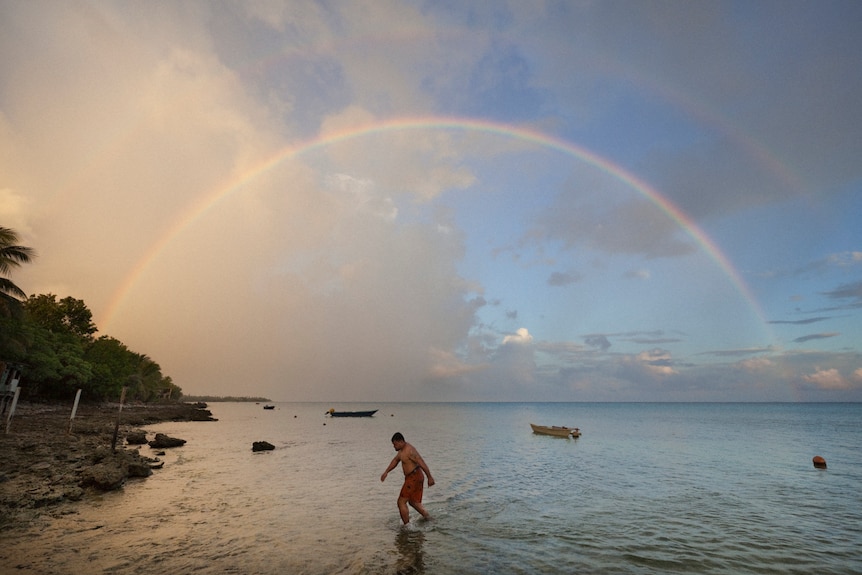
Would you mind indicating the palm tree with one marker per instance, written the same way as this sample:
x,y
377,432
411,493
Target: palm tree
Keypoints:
x,y
11,256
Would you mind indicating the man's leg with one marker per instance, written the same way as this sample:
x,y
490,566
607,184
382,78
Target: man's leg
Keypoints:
x,y
421,509
402,508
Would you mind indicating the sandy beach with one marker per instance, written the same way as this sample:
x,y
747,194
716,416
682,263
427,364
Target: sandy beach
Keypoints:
x,y
48,461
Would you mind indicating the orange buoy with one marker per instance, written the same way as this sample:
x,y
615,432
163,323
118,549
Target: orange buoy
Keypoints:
x,y
819,462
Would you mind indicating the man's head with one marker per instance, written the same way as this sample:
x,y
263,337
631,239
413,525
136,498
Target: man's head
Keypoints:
x,y
398,441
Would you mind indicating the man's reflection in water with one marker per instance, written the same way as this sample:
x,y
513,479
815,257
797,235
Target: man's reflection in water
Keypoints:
x,y
410,555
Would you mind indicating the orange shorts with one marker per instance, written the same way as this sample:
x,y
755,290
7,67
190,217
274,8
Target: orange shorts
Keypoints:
x,y
414,482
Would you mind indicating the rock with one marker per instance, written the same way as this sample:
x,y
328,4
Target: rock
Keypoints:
x,y
136,438
140,469
162,441
47,497
42,467
104,476
111,469
136,465
74,493
262,446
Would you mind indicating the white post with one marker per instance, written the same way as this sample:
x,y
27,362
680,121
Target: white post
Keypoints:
x,y
117,426
12,409
74,409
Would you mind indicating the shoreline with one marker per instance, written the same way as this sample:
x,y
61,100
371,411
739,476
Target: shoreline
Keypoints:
x,y
44,467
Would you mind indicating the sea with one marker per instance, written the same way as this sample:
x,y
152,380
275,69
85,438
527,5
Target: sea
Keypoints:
x,y
648,488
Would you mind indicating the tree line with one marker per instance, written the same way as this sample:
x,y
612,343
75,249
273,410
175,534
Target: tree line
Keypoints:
x,y
54,345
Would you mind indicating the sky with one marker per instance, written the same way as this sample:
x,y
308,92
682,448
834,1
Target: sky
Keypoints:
x,y
383,200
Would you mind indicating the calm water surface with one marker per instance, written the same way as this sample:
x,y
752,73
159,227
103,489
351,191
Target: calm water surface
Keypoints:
x,y
648,488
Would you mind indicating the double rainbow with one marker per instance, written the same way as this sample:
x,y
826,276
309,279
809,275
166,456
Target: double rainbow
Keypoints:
x,y
524,134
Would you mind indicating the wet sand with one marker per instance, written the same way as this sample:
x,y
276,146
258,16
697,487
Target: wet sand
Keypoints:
x,y
42,462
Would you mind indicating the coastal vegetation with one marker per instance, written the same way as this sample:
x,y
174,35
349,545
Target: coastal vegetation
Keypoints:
x,y
226,398
53,344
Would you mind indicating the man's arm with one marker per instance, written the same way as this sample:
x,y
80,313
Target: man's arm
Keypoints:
x,y
417,459
392,466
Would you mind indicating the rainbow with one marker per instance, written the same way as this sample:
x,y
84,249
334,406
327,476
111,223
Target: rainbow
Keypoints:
x,y
521,133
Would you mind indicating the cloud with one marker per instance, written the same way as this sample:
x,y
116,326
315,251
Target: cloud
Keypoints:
x,y
520,337
800,321
561,279
845,259
654,341
830,262
738,352
851,291
598,341
728,170
631,226
448,366
756,364
813,336
419,165
364,194
638,274
836,260
310,272
828,379
657,361
15,210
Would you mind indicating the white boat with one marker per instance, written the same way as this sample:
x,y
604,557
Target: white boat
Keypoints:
x,y
557,431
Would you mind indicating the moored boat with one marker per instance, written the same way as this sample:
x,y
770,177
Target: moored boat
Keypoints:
x,y
269,406
333,413
556,431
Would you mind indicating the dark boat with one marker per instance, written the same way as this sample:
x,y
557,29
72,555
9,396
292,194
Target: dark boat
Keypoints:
x,y
269,407
334,413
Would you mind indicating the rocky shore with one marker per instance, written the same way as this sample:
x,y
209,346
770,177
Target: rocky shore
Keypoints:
x,y
44,465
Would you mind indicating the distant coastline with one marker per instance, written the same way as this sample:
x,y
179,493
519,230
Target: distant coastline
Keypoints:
x,y
216,398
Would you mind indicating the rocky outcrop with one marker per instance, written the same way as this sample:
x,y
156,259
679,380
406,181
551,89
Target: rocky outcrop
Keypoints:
x,y
45,461
111,469
136,437
162,441
103,476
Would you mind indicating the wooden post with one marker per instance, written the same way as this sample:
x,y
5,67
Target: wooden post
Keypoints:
x,y
74,410
12,409
117,426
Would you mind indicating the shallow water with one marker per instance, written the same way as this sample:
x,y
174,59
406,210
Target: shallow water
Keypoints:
x,y
648,488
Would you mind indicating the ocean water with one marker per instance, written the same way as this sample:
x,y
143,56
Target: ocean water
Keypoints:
x,y
648,488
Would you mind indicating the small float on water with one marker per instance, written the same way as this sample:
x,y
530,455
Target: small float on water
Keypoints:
x,y
556,431
333,413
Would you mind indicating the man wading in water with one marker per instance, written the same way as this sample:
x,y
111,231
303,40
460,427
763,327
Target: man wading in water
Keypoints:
x,y
414,467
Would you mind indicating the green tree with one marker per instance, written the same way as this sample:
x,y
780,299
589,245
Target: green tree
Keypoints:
x,y
13,337
58,333
63,354
55,363
68,315
11,256
112,366
116,366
